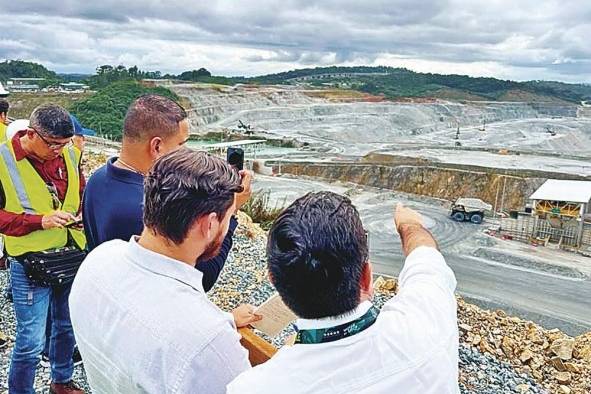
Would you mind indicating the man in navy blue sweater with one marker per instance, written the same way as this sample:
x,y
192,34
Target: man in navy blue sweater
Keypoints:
x,y
113,198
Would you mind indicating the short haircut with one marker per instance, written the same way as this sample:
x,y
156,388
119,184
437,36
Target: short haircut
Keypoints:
x,y
52,120
317,249
152,116
184,185
4,106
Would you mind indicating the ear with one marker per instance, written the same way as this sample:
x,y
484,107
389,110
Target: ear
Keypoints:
x,y
156,147
366,282
212,226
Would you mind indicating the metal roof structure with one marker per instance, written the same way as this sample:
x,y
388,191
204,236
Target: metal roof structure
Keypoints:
x,y
564,190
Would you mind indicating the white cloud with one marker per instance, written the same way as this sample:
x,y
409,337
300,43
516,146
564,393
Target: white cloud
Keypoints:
x,y
517,40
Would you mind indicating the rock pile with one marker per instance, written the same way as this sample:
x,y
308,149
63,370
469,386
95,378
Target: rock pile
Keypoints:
x,y
560,363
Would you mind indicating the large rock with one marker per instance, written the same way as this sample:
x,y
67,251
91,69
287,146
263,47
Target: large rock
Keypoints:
x,y
507,345
526,355
563,348
563,377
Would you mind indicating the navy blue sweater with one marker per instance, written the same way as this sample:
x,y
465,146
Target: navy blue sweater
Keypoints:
x,y
113,209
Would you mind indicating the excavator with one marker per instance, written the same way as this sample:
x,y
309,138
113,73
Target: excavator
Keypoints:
x,y
246,128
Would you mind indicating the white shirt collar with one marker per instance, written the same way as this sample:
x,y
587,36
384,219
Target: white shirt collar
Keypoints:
x,y
332,321
165,266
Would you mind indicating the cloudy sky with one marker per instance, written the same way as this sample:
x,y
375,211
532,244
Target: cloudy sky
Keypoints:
x,y
510,39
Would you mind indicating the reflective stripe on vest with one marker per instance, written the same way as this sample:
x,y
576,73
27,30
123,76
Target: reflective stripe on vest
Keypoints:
x,y
17,182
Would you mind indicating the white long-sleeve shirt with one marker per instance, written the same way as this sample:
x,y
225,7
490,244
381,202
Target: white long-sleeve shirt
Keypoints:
x,y
144,325
412,348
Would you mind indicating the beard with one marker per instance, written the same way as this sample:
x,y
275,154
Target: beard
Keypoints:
x,y
213,249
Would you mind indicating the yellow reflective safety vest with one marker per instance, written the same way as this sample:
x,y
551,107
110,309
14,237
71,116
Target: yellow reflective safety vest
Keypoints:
x,y
2,132
26,191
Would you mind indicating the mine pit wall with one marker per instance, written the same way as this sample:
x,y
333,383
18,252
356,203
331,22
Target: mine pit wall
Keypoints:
x,y
446,183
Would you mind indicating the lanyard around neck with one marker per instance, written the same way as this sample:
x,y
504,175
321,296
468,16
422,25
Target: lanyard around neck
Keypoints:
x,y
330,334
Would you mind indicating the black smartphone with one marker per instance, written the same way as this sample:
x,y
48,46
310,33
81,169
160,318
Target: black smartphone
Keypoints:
x,y
73,223
235,157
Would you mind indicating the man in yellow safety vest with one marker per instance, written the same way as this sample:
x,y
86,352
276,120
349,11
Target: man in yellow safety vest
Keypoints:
x,y
41,187
4,106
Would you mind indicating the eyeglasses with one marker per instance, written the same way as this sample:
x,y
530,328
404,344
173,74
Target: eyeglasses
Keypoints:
x,y
51,145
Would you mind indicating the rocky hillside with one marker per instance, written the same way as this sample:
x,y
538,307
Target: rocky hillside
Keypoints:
x,y
446,183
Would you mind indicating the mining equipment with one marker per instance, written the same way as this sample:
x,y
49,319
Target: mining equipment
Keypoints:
x,y
246,128
469,210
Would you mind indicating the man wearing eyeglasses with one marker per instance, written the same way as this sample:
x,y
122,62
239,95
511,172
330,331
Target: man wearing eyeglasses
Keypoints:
x,y
41,188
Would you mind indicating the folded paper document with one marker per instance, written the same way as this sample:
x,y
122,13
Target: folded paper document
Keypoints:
x,y
276,316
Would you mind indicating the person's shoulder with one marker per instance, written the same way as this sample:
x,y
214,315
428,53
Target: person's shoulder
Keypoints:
x,y
269,377
115,247
97,176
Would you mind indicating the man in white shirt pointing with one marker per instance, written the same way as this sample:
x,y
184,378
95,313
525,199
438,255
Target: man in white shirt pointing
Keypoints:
x,y
318,261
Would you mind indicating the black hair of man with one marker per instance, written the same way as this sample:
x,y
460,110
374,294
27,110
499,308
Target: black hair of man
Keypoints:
x,y
4,106
152,116
317,249
183,186
52,120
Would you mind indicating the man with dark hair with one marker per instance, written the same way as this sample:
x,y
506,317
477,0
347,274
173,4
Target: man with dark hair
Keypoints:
x,y
40,196
318,261
141,317
154,125
4,106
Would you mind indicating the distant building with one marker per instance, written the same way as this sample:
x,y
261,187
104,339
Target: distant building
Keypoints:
x,y
558,216
73,87
560,207
334,75
24,84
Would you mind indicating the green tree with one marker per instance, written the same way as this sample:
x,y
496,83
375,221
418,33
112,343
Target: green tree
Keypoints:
x,y
105,110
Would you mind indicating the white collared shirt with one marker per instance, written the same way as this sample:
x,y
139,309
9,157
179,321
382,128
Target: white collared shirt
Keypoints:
x,y
412,348
143,324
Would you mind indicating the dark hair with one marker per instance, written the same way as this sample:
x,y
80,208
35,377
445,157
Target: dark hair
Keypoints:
x,y
52,120
4,106
316,251
184,185
151,116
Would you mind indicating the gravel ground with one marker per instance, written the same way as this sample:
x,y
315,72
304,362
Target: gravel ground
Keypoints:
x,y
8,327
483,374
245,280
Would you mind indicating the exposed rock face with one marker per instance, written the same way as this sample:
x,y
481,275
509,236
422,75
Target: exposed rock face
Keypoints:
x,y
290,108
446,183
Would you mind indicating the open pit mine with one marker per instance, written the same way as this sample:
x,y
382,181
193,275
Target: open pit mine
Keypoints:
x,y
426,154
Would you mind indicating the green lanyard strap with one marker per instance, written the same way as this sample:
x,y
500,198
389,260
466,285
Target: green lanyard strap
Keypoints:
x,y
330,334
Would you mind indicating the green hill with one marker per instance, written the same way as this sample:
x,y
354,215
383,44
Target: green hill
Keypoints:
x,y
21,69
396,83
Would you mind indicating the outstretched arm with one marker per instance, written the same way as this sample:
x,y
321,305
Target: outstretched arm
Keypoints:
x,y
410,227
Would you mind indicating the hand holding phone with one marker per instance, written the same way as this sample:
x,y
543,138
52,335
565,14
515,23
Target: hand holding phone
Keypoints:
x,y
74,223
